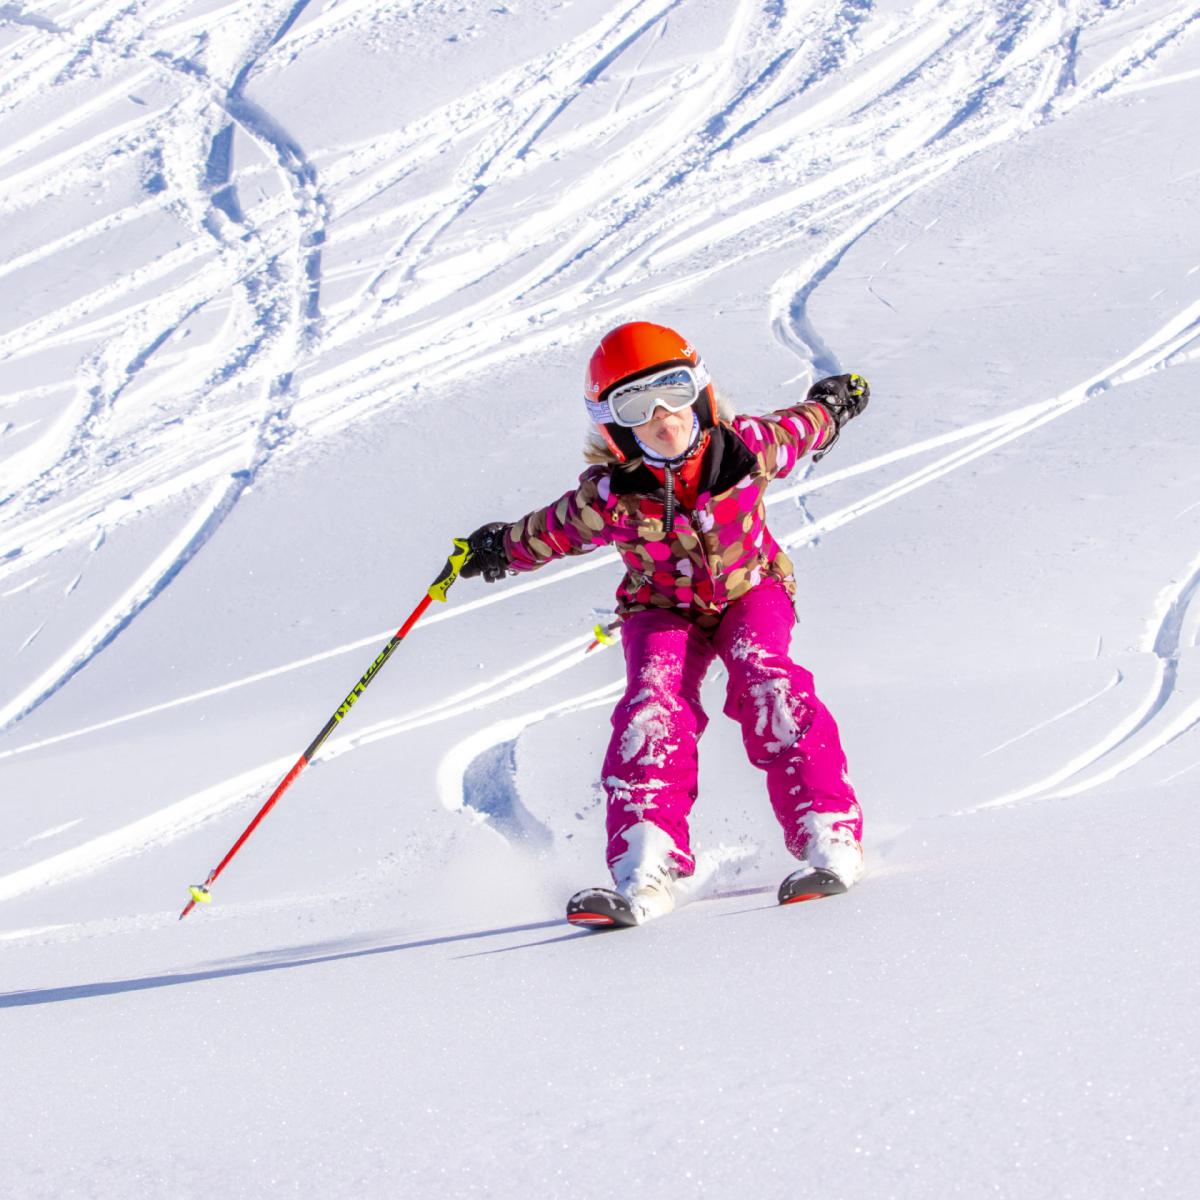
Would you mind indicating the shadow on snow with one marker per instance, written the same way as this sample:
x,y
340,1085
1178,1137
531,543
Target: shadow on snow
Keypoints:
x,y
90,991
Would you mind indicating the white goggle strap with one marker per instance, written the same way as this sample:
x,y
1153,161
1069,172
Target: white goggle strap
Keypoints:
x,y
599,411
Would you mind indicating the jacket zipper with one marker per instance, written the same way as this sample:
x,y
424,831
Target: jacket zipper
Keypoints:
x,y
694,521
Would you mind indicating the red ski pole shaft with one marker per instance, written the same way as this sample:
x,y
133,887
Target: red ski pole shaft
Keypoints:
x,y
437,591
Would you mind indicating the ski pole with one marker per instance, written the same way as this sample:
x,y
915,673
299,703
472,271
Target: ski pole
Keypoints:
x,y
437,591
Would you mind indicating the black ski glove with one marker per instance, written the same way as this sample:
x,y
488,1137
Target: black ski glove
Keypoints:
x,y
844,395
488,556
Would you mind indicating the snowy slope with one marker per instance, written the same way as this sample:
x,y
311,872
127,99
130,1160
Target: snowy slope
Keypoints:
x,y
296,292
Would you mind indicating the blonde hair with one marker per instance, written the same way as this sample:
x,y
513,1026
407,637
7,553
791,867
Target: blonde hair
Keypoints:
x,y
597,451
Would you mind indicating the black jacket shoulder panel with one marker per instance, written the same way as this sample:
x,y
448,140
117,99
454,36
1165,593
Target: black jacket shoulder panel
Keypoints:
x,y
729,460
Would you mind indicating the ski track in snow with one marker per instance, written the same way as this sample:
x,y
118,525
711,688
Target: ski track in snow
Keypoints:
x,y
281,318
937,88
1151,726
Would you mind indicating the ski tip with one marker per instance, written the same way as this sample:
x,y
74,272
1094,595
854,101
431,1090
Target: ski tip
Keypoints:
x,y
813,884
590,920
599,908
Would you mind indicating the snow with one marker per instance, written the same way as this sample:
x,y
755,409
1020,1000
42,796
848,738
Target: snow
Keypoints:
x,y
297,292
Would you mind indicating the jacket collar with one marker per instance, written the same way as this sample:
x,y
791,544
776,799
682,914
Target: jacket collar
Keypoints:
x,y
726,461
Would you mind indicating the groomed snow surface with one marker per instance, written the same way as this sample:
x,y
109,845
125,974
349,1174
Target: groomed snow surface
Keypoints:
x,y
297,291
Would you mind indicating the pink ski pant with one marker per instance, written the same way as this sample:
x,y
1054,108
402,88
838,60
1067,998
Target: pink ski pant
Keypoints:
x,y
650,770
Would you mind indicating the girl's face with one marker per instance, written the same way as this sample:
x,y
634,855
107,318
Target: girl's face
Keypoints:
x,y
667,433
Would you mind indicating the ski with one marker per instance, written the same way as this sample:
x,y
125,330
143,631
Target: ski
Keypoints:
x,y
809,883
600,908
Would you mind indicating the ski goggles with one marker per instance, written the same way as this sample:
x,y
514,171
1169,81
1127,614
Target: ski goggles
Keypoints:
x,y
633,403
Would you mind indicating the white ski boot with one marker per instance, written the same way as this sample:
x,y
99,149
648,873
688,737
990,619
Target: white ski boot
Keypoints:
x,y
832,864
644,874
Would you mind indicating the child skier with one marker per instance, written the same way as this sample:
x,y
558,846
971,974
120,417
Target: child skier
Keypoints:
x,y
677,488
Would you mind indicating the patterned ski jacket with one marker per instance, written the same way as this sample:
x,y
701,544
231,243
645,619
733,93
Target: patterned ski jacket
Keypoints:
x,y
711,554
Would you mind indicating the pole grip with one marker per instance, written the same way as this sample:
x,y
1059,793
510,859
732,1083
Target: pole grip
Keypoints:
x,y
454,564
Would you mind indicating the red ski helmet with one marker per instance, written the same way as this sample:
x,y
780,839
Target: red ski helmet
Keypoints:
x,y
631,352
